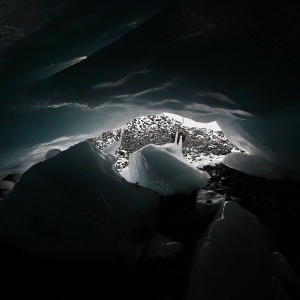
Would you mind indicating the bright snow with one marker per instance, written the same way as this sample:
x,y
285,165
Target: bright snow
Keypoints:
x,y
164,169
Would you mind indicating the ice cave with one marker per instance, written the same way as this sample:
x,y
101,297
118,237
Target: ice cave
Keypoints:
x,y
106,191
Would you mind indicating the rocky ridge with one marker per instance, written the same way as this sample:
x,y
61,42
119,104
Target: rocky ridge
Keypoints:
x,y
201,145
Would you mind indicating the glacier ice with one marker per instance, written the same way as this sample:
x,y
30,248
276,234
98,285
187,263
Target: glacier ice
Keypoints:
x,y
273,138
74,205
175,69
164,169
235,259
230,260
252,165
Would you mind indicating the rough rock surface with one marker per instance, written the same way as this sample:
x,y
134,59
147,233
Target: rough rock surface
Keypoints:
x,y
199,144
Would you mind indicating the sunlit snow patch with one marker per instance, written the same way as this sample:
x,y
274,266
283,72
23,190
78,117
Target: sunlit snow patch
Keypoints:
x,y
165,170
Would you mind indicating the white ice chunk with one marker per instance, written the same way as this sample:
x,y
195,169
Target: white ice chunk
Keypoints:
x,y
111,149
231,259
165,170
252,165
74,205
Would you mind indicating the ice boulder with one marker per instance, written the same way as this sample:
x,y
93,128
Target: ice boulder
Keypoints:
x,y
74,205
163,168
112,148
231,260
252,165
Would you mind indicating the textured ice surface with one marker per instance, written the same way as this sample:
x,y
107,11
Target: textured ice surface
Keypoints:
x,y
273,138
172,67
252,165
231,259
165,170
73,205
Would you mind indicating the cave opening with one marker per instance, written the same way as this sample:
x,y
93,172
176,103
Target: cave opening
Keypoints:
x,y
187,226
160,251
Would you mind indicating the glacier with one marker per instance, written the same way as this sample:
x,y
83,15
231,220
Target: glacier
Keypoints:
x,y
74,69
74,205
165,170
198,65
234,260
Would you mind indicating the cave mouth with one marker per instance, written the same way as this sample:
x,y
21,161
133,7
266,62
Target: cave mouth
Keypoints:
x,y
177,229
201,143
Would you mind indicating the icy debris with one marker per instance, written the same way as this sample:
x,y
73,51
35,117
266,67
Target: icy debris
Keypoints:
x,y
252,165
74,205
112,148
52,153
160,246
164,169
230,260
208,202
